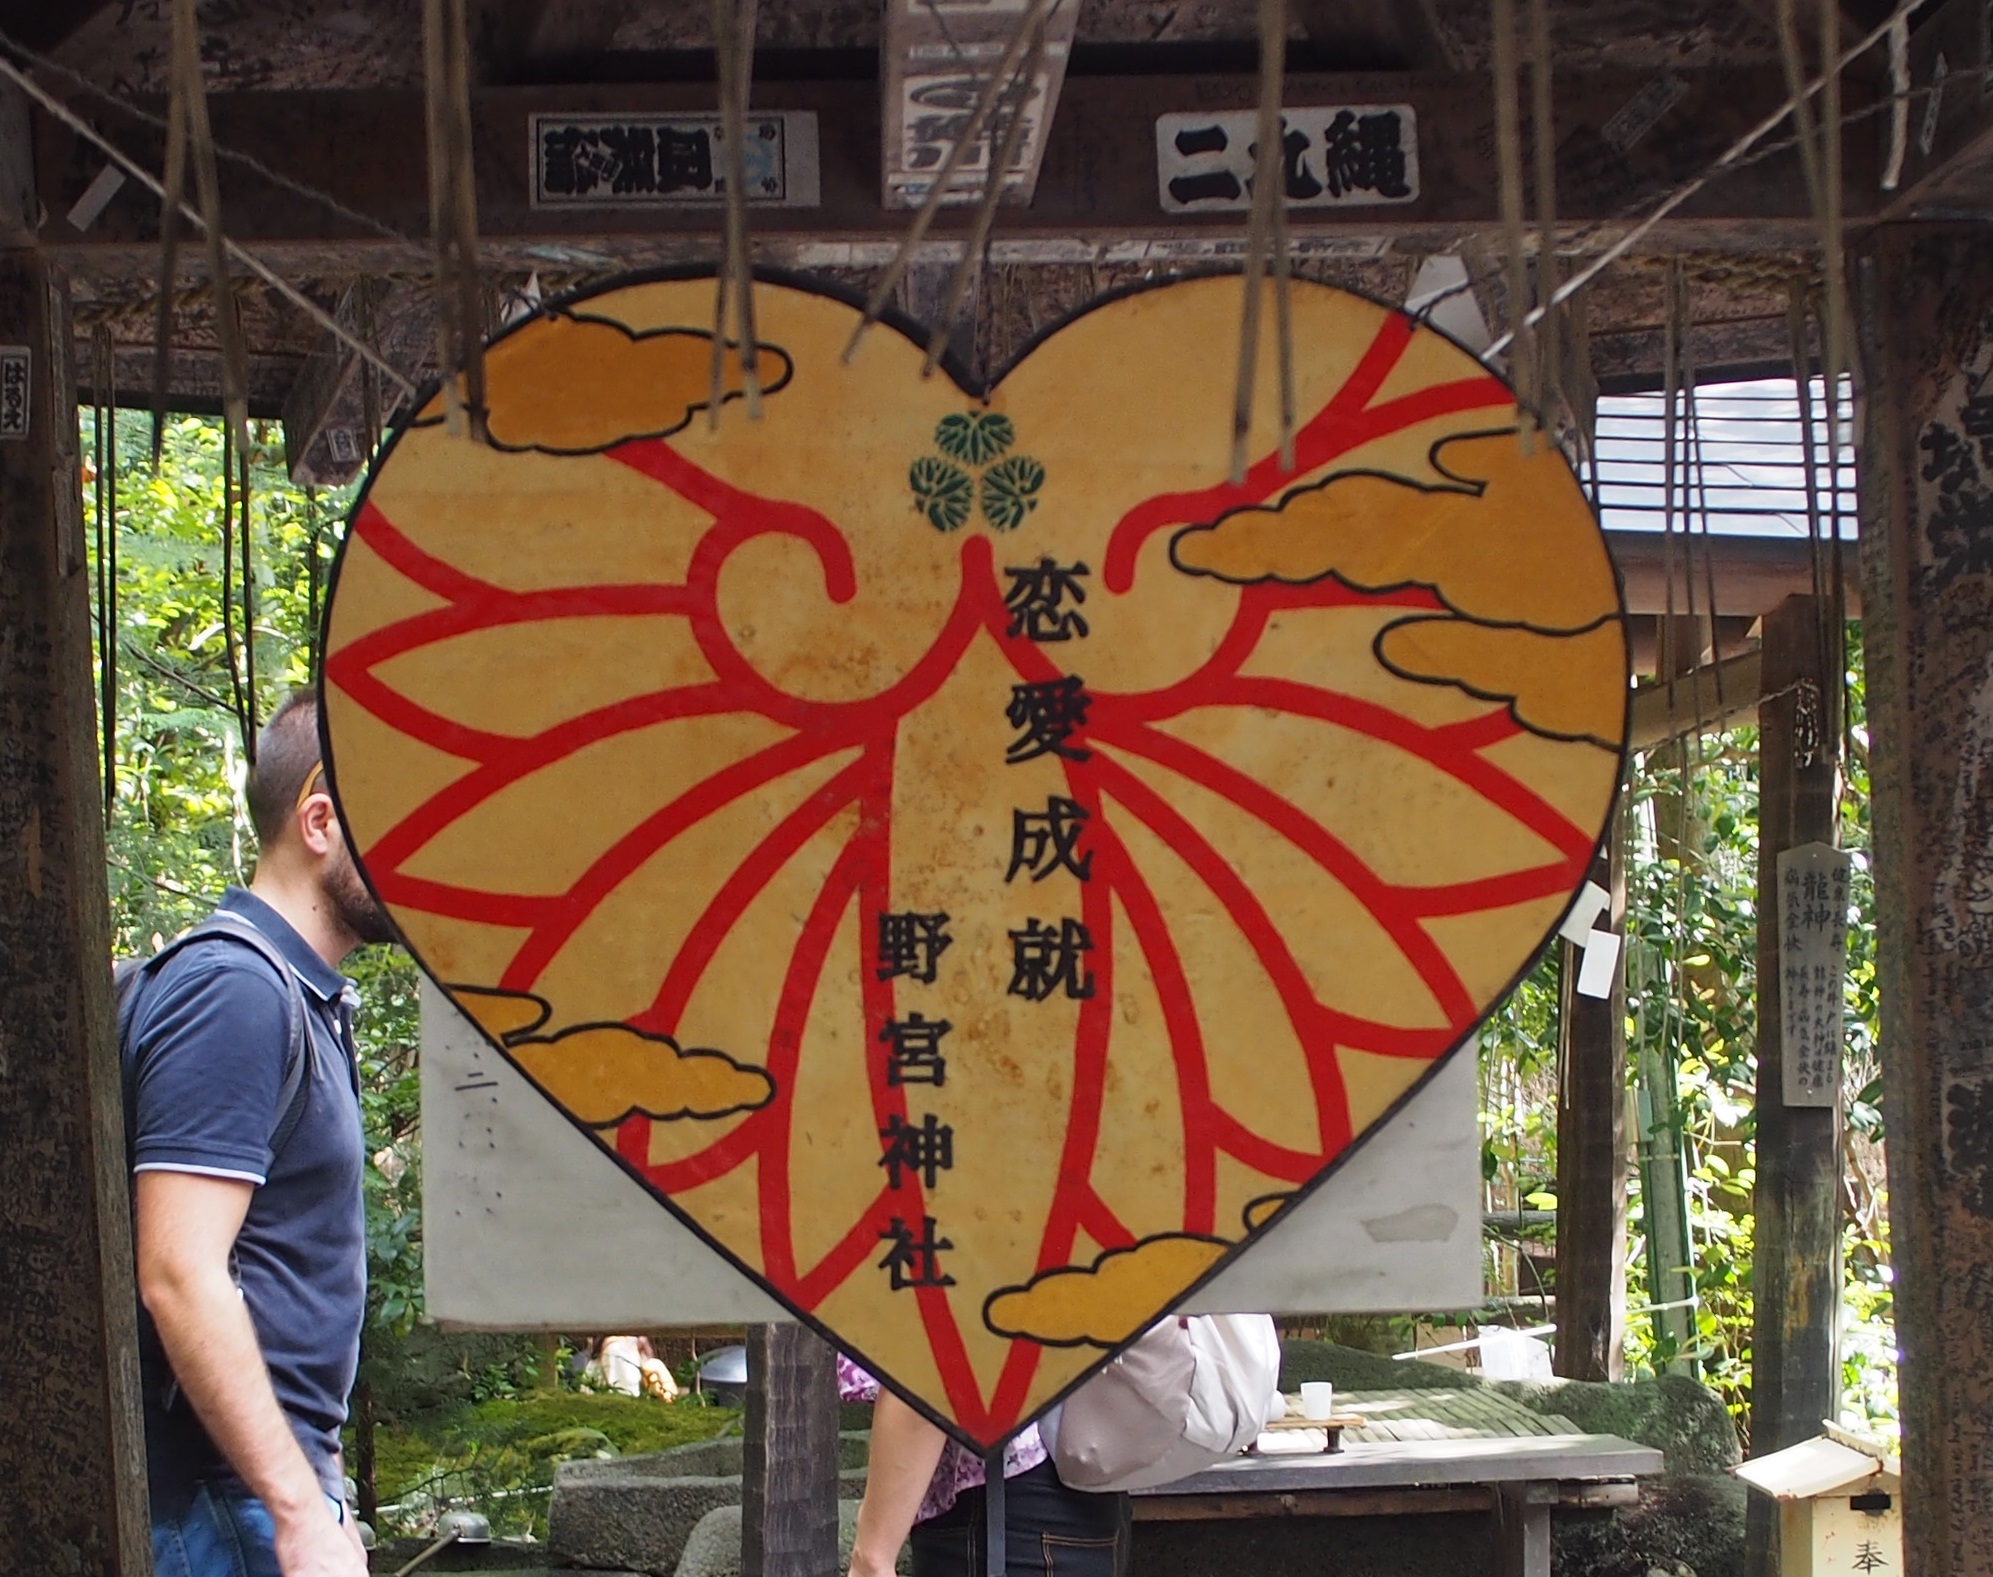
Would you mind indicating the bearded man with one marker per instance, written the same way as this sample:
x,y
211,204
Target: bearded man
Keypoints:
x,y
244,1137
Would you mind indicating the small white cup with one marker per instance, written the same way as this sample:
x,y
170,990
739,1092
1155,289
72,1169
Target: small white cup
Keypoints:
x,y
1318,1399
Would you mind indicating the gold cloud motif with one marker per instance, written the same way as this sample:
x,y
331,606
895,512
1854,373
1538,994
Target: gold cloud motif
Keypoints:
x,y
1105,1303
500,1014
568,384
1562,686
1460,539
1263,1209
604,1073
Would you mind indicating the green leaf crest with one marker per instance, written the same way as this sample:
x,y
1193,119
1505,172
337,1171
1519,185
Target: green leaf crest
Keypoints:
x,y
941,491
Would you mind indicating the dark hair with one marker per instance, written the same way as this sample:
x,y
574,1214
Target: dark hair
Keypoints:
x,y
286,751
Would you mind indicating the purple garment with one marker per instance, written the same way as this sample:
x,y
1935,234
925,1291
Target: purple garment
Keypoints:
x,y
959,1467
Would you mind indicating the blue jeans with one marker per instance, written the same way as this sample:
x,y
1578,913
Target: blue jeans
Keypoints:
x,y
1049,1531
219,1532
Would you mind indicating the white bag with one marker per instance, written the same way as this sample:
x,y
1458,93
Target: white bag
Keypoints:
x,y
1192,1391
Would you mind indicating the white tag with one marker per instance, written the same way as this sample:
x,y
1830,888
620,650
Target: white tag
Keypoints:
x,y
84,212
1601,954
1591,903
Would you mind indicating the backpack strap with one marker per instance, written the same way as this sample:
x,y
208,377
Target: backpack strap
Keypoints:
x,y
131,976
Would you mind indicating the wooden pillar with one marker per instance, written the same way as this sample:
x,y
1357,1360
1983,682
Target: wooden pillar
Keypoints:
x,y
1796,1269
72,1479
1591,1151
788,1513
1925,303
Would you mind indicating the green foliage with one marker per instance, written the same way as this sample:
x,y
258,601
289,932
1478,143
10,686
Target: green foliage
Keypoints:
x,y
1010,491
178,833
500,1454
1691,1007
941,491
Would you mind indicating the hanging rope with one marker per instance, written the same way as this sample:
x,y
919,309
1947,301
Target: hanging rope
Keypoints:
x,y
975,250
190,92
1266,240
1696,517
1699,474
944,178
1796,328
1515,249
238,698
733,48
1547,356
453,216
1899,102
1671,342
249,714
1582,393
241,254
104,392
172,200
370,378
1731,157
312,538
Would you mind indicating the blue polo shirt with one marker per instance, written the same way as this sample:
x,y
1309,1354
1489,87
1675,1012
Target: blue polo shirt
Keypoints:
x,y
208,1042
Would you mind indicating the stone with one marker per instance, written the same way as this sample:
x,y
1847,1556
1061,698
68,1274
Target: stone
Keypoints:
x,y
713,1550
1687,1525
637,1513
1673,1414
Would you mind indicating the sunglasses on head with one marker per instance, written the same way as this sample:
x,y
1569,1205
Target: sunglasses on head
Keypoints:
x,y
311,784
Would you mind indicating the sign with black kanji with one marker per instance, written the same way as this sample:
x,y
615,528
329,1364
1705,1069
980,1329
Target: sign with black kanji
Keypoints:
x,y
1333,156
670,160
1813,968
15,381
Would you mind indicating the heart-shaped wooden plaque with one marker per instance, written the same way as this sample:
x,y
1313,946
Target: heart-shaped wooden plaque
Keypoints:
x,y
964,856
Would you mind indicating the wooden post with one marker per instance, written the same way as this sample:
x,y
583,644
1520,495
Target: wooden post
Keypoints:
x,y
71,1458
788,1518
1796,1271
1925,297
1591,1152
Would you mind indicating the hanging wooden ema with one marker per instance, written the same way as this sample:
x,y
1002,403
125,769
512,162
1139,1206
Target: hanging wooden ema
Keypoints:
x,y
970,860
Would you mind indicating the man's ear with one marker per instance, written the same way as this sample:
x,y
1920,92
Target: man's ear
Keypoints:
x,y
318,825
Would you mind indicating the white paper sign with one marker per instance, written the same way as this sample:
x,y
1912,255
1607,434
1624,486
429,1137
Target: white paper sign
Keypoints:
x,y
1590,904
16,367
671,161
527,1225
1332,156
1812,973
1595,971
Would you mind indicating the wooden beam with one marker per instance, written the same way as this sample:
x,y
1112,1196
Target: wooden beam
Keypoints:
x,y
1925,303
935,59
333,414
1796,1266
1753,574
1591,1149
46,24
71,1457
1709,698
1235,1507
1948,163
525,39
1097,195
1380,35
789,1490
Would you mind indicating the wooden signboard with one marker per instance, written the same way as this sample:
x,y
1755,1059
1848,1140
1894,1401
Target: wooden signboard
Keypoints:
x,y
975,865
1813,971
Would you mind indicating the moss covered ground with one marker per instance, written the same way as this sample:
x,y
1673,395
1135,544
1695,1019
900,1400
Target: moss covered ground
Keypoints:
x,y
500,1455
